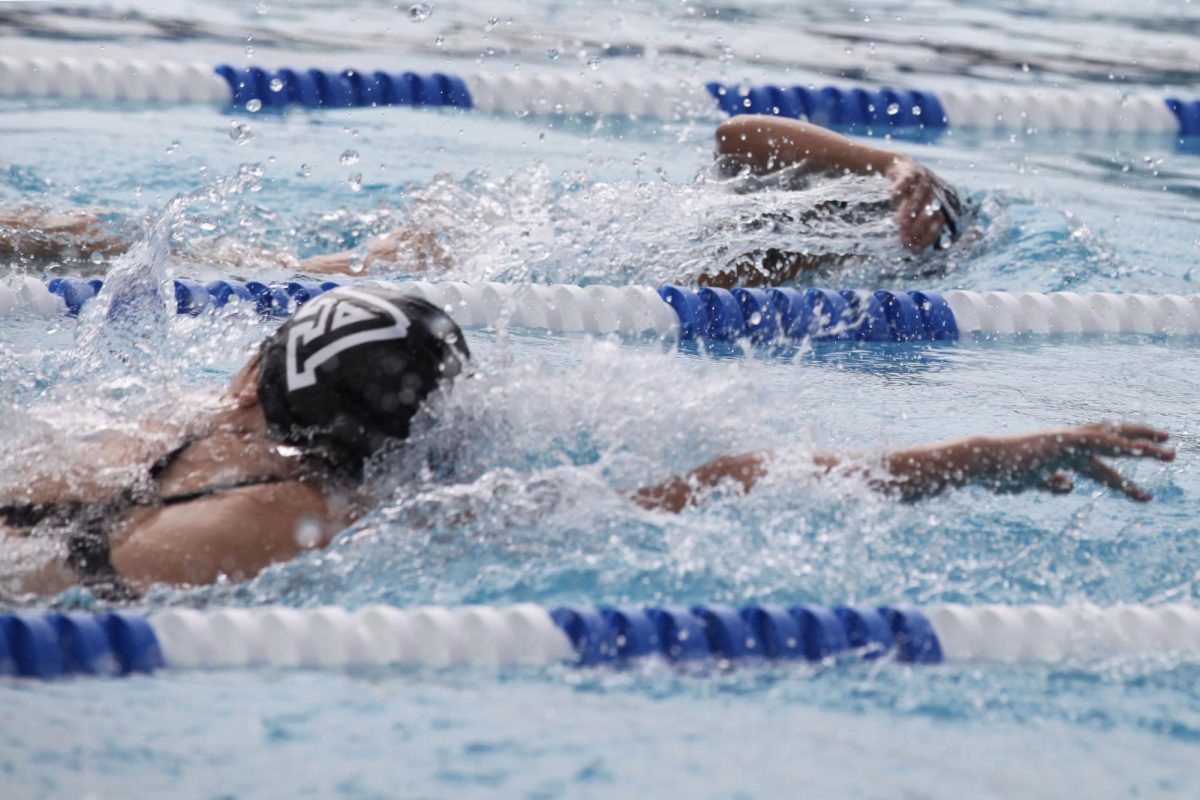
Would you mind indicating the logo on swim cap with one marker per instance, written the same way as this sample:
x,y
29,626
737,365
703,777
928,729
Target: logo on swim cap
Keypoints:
x,y
333,323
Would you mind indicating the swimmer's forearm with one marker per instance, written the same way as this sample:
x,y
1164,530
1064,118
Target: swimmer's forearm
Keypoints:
x,y
765,144
417,247
685,490
925,470
911,473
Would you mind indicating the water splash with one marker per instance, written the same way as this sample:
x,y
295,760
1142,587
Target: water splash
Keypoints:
x,y
130,315
531,228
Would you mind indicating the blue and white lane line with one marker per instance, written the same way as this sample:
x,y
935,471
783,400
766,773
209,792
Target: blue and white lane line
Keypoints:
x,y
676,312
45,646
254,88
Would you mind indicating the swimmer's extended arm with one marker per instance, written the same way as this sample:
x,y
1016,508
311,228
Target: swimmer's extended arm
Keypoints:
x,y
1005,463
765,144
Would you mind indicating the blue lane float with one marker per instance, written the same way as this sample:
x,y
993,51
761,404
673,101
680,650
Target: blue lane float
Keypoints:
x,y
756,315
860,109
255,87
834,107
706,636
127,642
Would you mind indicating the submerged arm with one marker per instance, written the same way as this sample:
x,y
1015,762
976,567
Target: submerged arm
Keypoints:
x,y
1003,463
765,144
71,236
99,469
419,247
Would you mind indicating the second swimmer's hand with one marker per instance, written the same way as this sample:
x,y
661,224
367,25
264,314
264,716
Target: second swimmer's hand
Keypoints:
x,y
918,211
1045,459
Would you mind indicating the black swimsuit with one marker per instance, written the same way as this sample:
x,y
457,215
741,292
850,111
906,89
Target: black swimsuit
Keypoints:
x,y
86,524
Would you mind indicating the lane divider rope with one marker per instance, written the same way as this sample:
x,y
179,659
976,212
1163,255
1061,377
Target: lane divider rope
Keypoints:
x,y
676,312
857,109
39,645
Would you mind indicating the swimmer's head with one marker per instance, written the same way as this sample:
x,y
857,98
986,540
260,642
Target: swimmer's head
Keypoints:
x,y
350,370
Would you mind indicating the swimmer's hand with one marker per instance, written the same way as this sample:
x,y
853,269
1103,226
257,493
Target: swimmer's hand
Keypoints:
x,y
918,210
1041,460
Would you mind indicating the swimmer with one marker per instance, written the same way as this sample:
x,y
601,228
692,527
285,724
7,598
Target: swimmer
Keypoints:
x,y
927,211
284,454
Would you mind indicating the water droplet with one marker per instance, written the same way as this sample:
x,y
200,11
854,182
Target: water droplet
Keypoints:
x,y
308,532
276,84
491,23
253,105
439,41
893,109
419,12
305,171
249,52
240,132
552,54
594,63
96,257
916,111
355,182
349,158
262,9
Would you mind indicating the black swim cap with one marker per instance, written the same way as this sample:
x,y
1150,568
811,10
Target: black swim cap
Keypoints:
x,y
350,369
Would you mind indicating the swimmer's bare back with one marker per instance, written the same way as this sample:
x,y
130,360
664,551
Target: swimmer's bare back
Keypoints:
x,y
229,502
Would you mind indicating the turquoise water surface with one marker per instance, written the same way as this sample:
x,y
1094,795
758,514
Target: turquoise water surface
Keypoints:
x,y
553,433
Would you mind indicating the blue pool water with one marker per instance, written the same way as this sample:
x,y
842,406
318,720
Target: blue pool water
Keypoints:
x,y
554,432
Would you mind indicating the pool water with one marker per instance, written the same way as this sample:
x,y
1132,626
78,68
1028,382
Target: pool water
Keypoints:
x,y
553,433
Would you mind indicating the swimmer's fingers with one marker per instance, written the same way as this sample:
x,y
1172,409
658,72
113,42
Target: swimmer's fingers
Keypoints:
x,y
905,186
1107,442
1130,430
1106,475
930,229
917,213
920,225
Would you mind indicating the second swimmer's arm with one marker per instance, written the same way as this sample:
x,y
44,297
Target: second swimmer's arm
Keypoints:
x,y
1005,463
42,235
765,144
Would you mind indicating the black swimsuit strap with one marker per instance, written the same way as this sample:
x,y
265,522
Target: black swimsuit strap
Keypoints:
x,y
168,458
215,488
